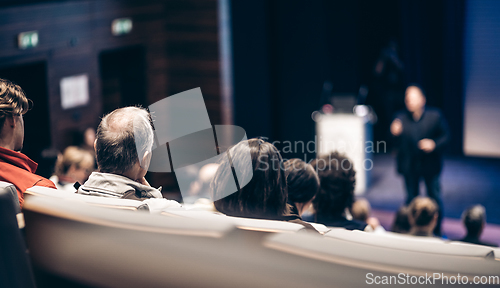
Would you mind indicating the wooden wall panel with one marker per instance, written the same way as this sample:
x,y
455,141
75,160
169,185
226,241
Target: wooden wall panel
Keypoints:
x,y
180,40
193,50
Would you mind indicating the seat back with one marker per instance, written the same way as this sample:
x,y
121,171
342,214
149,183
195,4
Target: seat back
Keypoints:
x,y
260,225
379,258
411,243
112,248
15,268
11,189
126,204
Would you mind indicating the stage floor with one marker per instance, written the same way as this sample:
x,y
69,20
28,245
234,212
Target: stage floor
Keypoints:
x,y
464,181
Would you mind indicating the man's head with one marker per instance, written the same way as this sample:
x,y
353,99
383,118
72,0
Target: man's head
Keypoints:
x,y
124,142
474,219
414,98
13,104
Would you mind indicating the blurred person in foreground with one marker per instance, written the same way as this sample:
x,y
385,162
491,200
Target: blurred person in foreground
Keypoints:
x,y
303,184
423,216
265,196
122,167
401,222
74,166
15,167
474,219
336,194
198,197
361,211
421,134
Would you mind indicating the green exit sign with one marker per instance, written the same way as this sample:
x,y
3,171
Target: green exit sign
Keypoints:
x,y
27,40
121,26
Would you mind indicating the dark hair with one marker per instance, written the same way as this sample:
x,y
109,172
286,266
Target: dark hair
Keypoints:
x,y
422,210
265,196
474,217
337,182
302,181
13,100
401,222
116,150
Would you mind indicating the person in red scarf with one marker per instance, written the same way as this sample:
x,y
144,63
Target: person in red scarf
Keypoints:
x,y
15,167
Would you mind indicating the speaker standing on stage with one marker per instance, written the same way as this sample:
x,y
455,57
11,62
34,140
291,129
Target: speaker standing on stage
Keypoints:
x,y
421,134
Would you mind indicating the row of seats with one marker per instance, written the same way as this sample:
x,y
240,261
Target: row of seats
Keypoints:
x,y
81,238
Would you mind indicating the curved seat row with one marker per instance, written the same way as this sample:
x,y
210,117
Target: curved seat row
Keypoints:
x,y
80,238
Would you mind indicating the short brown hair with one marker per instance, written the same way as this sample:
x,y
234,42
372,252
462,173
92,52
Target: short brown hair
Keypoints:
x,y
337,182
13,101
422,211
74,156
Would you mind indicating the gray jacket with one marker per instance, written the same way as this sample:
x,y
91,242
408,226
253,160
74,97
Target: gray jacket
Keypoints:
x,y
117,186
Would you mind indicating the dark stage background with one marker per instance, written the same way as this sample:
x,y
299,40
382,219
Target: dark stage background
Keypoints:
x,y
284,50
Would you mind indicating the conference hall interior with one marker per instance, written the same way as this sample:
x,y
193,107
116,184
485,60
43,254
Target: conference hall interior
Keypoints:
x,y
249,143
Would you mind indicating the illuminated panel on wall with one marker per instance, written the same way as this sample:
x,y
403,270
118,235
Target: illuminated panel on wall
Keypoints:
x,y
482,78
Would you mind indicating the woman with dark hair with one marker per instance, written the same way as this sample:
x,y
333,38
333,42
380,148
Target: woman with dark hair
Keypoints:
x,y
265,195
303,184
336,194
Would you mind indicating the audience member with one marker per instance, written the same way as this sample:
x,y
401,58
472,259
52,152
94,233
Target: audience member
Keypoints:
x,y
423,216
16,167
361,211
265,196
88,139
74,166
200,184
303,184
47,163
121,166
474,219
401,222
336,194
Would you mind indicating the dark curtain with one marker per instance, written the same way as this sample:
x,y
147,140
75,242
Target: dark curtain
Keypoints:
x,y
432,48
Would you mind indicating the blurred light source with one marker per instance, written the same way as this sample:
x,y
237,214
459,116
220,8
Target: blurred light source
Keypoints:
x,y
327,109
121,26
27,40
361,110
315,116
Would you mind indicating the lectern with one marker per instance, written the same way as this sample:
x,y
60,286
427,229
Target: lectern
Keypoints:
x,y
351,135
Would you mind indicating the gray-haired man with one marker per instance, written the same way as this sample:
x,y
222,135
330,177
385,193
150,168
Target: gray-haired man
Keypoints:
x,y
123,147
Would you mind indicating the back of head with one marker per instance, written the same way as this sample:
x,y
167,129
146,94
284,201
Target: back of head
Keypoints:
x,y
265,196
401,221
337,181
123,138
361,209
302,181
474,219
13,101
422,211
74,156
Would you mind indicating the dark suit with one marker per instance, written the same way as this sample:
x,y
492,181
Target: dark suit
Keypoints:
x,y
414,163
